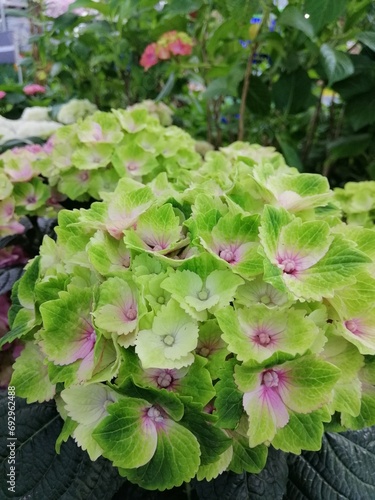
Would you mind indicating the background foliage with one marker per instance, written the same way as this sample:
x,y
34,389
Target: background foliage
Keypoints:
x,y
299,78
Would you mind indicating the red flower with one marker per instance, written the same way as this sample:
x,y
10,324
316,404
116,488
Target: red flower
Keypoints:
x,y
2,94
149,57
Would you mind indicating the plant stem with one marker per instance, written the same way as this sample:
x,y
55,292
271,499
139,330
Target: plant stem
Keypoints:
x,y
312,127
248,73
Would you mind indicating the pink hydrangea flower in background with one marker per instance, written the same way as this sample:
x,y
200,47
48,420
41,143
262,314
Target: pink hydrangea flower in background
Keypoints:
x,y
34,88
2,94
180,48
149,57
171,43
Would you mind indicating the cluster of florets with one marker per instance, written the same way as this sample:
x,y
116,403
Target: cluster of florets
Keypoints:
x,y
182,333
357,201
86,160
172,43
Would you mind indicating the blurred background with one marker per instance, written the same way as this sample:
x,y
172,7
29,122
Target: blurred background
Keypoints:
x,y
297,75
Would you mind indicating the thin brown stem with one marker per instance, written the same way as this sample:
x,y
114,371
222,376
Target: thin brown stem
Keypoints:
x,y
312,127
245,90
247,78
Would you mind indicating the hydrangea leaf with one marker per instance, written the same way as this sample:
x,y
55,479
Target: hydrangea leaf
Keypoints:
x,y
355,298
176,460
132,160
347,391
366,417
158,230
100,128
299,192
118,308
170,341
197,296
155,295
166,400
66,432
193,381
228,402
132,121
74,183
359,329
108,255
144,264
87,406
6,187
101,182
93,156
301,385
69,334
234,240
127,436
126,206
27,284
212,470
259,332
244,458
30,375
272,222
302,432
212,441
259,292
30,196
50,287
212,347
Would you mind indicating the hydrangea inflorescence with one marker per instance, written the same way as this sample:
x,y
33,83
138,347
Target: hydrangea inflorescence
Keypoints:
x,y
85,160
183,332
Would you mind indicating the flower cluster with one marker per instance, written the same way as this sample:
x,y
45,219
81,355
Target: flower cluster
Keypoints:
x,y
170,44
33,89
357,201
183,332
86,160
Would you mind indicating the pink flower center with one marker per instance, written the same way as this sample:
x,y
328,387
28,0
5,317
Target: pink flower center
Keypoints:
x,y
270,378
353,326
154,414
132,166
288,266
262,338
131,314
164,379
227,255
83,176
31,199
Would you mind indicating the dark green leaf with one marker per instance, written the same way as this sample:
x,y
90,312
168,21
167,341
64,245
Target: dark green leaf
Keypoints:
x,y
259,97
269,484
368,39
181,7
167,89
293,16
347,147
40,473
8,277
212,441
361,110
337,65
292,92
343,469
323,12
290,152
